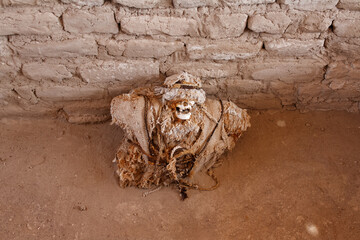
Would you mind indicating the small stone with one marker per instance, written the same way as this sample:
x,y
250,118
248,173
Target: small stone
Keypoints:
x,y
81,207
7,3
140,3
4,48
353,5
151,48
128,72
343,47
66,48
337,84
155,25
235,3
294,47
312,229
84,3
225,25
29,226
347,27
272,22
343,72
223,49
44,71
308,124
315,22
98,20
310,5
300,219
115,48
195,3
281,123
28,22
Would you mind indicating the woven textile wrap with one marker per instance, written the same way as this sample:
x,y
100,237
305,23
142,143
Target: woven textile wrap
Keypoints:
x,y
161,149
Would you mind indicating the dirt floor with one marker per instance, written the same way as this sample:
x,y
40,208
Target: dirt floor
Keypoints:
x,y
291,176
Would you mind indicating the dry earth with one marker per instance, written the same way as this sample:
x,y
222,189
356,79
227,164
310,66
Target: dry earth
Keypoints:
x,y
291,176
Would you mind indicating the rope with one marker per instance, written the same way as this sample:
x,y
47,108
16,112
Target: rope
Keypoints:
x,y
212,133
146,108
155,160
209,172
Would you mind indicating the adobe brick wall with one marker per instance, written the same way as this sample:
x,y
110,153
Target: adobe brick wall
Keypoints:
x,y
263,54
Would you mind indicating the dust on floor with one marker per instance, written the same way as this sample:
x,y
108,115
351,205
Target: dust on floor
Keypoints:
x,y
291,176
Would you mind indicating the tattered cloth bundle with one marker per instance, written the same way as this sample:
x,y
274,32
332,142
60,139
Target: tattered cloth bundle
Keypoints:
x,y
173,133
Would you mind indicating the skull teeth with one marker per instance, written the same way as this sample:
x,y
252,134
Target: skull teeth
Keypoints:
x,y
185,110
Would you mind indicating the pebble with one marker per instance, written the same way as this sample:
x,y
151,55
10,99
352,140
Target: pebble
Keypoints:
x,y
281,123
312,229
28,226
81,207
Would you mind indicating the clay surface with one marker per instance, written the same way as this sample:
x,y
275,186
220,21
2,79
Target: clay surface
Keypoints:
x,y
292,176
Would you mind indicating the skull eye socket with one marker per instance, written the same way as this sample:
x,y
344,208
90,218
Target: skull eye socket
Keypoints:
x,y
178,109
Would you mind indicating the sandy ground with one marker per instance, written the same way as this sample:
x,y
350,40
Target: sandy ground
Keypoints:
x,y
291,176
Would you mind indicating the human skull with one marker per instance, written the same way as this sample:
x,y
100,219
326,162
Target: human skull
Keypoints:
x,y
183,109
